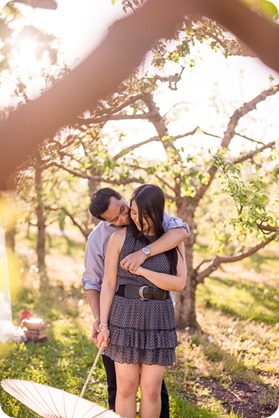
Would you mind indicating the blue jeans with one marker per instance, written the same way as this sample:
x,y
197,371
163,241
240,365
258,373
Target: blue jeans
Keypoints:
x,y
111,383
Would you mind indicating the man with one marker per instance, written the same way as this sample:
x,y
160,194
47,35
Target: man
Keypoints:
x,y
111,208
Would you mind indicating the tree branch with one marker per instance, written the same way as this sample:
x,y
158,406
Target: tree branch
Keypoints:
x,y
101,119
266,229
243,110
251,154
162,181
73,172
135,146
218,260
203,189
230,132
157,139
249,139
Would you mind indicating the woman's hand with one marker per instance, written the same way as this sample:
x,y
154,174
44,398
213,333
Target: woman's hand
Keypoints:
x,y
132,261
138,271
103,338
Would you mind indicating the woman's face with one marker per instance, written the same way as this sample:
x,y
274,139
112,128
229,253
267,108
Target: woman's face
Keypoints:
x,y
148,227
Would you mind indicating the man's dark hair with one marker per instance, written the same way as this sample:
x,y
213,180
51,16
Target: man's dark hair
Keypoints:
x,y
100,201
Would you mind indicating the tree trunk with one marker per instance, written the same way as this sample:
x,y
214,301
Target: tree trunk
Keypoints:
x,y
93,186
41,226
10,238
41,252
185,308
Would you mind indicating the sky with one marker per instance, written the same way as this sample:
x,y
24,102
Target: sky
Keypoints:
x,y
80,24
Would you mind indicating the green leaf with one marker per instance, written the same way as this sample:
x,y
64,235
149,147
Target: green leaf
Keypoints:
x,y
269,9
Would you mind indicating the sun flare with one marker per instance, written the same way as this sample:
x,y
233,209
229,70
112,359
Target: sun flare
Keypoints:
x,y
25,60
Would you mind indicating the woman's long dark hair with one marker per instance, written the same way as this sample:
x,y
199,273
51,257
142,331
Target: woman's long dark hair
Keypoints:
x,y
150,201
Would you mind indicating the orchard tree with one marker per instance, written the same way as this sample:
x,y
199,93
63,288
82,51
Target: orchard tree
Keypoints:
x,y
15,34
187,179
237,186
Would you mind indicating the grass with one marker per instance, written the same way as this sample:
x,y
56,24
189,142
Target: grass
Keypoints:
x,y
229,370
242,299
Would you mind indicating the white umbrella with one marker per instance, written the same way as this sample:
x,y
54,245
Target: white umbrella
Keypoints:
x,y
3,415
50,402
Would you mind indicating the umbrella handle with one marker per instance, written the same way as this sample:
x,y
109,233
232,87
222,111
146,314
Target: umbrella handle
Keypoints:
x,y
91,371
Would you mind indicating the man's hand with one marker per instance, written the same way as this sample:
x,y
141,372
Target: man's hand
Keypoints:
x,y
133,261
95,330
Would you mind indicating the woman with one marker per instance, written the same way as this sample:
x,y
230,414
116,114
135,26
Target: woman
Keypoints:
x,y
137,326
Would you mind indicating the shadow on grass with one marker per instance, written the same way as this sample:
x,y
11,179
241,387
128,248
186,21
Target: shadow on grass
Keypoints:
x,y
258,260
243,299
180,407
239,389
183,402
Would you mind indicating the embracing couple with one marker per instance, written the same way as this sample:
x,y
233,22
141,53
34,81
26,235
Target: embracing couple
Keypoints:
x,y
134,259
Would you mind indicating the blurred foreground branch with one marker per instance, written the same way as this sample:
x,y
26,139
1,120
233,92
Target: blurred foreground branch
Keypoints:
x,y
116,57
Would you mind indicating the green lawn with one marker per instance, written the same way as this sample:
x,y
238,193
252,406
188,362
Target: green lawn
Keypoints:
x,y
228,370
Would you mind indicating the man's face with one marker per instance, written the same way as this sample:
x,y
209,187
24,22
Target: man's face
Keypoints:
x,y
117,213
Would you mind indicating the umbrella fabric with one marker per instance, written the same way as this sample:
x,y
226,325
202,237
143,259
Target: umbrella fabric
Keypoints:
x,y
3,415
50,402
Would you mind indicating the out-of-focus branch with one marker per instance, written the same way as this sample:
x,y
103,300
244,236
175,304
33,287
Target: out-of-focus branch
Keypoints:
x,y
251,154
40,4
266,228
117,56
218,260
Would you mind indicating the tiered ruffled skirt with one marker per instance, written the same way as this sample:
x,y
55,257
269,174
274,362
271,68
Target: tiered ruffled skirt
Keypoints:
x,y
142,331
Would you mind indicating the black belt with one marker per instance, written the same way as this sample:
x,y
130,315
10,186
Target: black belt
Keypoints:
x,y
131,291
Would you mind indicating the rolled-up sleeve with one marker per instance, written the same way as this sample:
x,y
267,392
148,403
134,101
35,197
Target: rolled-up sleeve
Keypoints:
x,y
170,222
95,251
92,277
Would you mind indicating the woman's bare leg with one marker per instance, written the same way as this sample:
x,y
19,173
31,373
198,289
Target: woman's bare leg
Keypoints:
x,y
150,385
127,382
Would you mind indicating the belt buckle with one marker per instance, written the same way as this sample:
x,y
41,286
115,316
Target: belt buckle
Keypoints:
x,y
141,289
